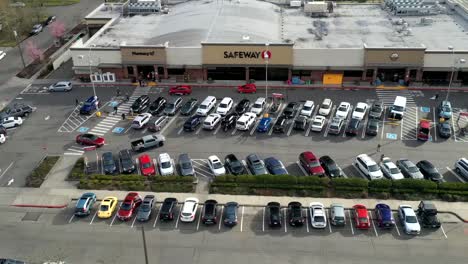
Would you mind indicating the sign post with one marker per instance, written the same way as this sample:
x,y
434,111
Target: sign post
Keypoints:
x,y
266,55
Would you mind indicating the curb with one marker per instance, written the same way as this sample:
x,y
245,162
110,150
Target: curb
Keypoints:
x,y
454,214
40,206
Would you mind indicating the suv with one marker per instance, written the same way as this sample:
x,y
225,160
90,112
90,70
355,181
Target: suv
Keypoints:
x,y
84,204
274,214
291,110
376,110
167,209
296,216
126,162
369,167
427,214
18,110
91,104
335,126
140,104
157,105
210,212
353,127
300,123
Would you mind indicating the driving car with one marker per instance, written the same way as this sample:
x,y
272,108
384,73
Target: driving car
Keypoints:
x,y
384,216
210,212
318,218
140,104
445,110
216,166
429,171
60,87
372,127
165,164
275,166
107,207
140,120
230,214
129,206
234,165
186,165
146,165
353,127
408,169
360,111
296,216
335,125
189,107
192,123
146,208
361,216
307,108
229,121
311,164
11,122
318,123
273,210
408,220
90,140
427,214
280,124
224,106
264,124
127,164
256,165
189,210
157,124
180,90
36,29
157,106
242,106
390,170
247,88
444,129
330,167
166,213
172,106
91,104
300,123
85,204
17,110
108,163
376,110
259,105
291,110
325,107
343,110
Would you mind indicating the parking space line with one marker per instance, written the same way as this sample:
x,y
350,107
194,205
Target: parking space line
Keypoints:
x,y
168,124
373,224
455,174
113,219
435,124
329,224
307,220
257,122
443,231
178,217
302,169
217,129
157,217
396,226
71,218
242,218
350,222
198,130
348,118
285,225
9,166
133,223
234,131
180,130
263,222
92,219
246,167
221,217
383,122
199,217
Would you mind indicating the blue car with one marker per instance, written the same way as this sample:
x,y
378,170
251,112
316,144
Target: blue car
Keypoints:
x,y
89,105
384,216
445,110
275,166
264,125
85,204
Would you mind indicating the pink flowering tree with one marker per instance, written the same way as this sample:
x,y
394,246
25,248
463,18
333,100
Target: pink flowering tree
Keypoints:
x,y
33,51
57,29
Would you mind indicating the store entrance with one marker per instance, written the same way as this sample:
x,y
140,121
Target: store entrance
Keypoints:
x,y
145,71
391,75
227,73
274,74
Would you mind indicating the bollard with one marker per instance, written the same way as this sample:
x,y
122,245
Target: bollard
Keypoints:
x,y
98,113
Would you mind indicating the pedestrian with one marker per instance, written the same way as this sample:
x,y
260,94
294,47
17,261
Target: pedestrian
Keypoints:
x,y
115,110
131,111
437,96
139,81
123,116
382,157
118,91
127,97
378,148
77,102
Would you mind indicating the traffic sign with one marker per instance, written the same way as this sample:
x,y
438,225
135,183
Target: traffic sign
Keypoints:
x,y
83,129
266,54
118,130
425,109
392,136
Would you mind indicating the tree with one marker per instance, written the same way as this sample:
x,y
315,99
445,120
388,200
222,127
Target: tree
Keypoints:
x,y
57,29
33,50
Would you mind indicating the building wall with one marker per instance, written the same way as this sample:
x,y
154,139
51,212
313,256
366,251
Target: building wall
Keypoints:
x,y
119,73
111,56
184,56
444,59
328,57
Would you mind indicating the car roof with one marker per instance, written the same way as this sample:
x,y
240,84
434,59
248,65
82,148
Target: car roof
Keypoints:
x,y
295,204
408,210
164,156
184,157
327,159
253,157
344,104
426,163
272,161
361,105
226,99
107,154
326,101
148,197
276,204
170,200
308,103
131,195
309,155
319,117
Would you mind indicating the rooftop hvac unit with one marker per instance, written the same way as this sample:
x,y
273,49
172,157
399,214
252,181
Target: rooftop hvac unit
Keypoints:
x,y
295,3
316,7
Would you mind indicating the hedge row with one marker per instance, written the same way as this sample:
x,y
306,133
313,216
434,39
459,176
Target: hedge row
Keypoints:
x,y
77,171
138,183
38,175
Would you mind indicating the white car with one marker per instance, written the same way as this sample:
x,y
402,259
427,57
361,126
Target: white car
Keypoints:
x,y
165,163
246,121
225,106
343,110
2,54
2,138
318,218
368,166
258,106
211,121
141,120
308,108
360,111
61,87
325,107
318,123
408,220
390,170
10,122
189,210
216,166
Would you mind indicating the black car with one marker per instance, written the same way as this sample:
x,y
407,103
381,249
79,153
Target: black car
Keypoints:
x,y
157,106
229,121
331,168
146,208
376,110
210,212
127,164
49,20
108,163
11,261
167,209
300,123
429,171
353,127
296,215
140,104
189,106
234,165
274,214
372,127
192,123
18,110
427,213
280,124
445,130
291,110
230,214
242,106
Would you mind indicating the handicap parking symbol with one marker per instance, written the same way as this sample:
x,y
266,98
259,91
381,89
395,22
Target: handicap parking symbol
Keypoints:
x,y
118,130
425,109
391,136
83,129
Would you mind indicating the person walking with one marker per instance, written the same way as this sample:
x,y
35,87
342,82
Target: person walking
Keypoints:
x,y
123,116
127,97
77,102
378,147
115,110
382,157
118,91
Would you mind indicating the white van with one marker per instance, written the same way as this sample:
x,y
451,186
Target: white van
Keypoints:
x,y
206,106
397,110
141,120
369,167
461,166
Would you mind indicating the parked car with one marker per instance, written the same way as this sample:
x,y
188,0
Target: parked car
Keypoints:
x,y
108,163
85,204
318,218
189,210
242,106
61,87
318,123
368,167
189,106
372,127
229,121
384,216
173,106
390,170
361,216
275,218
424,130
376,110
127,164
36,29
49,20
166,166
311,164
141,120
129,206
211,121
300,123
91,104
280,124
2,138
192,123
445,130
234,165
337,214
247,88
256,165
296,216
216,166
90,140
246,121
259,105
230,214
307,108
180,90
408,220
427,213
146,208
275,166
157,124
352,128
166,213
11,122
17,110
325,107
186,165
445,110
264,124
343,110
291,110
107,207
335,126
408,169
210,212
330,167
360,111
225,106
146,165
157,106
429,171
140,104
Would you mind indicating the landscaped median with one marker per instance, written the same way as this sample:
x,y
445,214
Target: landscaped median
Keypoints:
x,y
38,175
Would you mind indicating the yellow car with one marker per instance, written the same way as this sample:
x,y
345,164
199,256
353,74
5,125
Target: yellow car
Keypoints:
x,y
107,207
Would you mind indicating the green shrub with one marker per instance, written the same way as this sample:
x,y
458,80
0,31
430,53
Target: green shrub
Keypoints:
x,y
38,175
414,186
379,186
172,187
77,171
351,182
172,179
454,188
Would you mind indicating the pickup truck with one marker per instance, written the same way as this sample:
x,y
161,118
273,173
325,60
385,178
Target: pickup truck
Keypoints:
x,y
147,142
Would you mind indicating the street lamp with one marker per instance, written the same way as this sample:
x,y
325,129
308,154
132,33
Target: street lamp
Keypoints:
x,y
266,57
90,72
19,48
454,62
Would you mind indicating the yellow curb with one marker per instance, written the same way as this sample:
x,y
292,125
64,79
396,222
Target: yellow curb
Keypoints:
x,y
393,124
399,87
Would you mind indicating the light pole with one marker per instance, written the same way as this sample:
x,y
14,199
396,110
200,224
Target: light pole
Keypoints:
x,y
454,62
19,48
90,72
267,57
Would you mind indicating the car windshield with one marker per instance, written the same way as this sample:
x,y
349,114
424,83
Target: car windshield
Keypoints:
x,y
91,137
186,214
394,171
257,106
104,207
166,165
373,168
424,130
342,108
307,108
376,108
319,219
363,219
202,106
325,106
339,218
435,175
413,169
359,110
373,127
217,165
88,103
446,109
411,219
146,165
126,162
170,106
314,163
108,162
186,165
223,105
297,212
317,123
145,208
126,206
398,108
257,164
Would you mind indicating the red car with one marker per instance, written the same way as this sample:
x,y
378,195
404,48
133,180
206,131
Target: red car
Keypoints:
x,y
129,206
361,217
146,165
311,164
90,140
424,129
247,88
180,90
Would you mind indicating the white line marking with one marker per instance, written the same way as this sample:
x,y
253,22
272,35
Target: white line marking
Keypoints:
x,y
396,226
435,125
302,169
113,219
93,218
350,222
443,231
383,122
199,217
11,164
133,223
373,224
221,217
177,222
307,220
71,219
263,222
285,225
180,130
234,132
168,124
242,218
157,217
329,224
454,173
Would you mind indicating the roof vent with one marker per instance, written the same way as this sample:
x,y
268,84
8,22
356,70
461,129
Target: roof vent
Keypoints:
x,y
245,37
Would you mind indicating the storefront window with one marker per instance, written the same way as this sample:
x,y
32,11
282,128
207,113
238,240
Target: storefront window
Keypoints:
x,y
352,74
176,71
130,70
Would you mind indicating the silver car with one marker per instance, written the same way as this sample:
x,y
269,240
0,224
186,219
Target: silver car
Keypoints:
x,y
186,166
61,87
409,169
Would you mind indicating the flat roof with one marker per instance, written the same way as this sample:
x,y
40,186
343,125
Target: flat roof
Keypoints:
x,y
252,21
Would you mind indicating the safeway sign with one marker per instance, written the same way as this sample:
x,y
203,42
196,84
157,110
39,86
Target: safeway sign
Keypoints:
x,y
266,54
247,54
